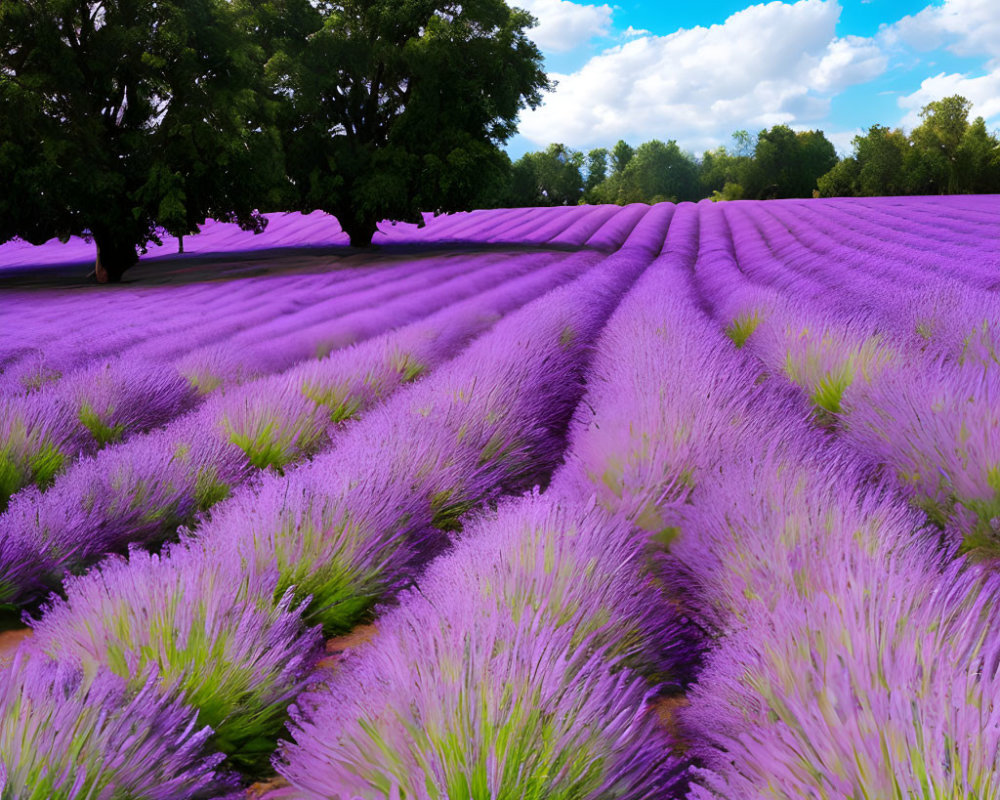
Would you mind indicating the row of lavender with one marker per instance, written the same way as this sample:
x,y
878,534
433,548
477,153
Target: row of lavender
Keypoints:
x,y
744,493
857,653
140,490
79,373
852,651
318,546
572,225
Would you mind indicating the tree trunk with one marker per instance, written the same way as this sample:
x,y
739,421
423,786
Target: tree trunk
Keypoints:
x,y
113,258
361,231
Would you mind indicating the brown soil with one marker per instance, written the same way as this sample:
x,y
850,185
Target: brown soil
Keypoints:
x,y
666,709
336,649
9,642
260,790
339,646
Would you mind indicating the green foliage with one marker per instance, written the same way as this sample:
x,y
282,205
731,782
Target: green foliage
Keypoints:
x,y
659,172
102,432
204,382
652,173
730,191
340,591
621,155
11,477
389,108
789,164
27,460
723,174
44,463
881,157
945,154
741,328
275,443
549,178
340,403
841,181
244,722
597,168
447,509
208,489
119,118
982,538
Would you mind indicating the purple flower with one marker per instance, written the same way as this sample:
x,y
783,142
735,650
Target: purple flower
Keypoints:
x,y
211,630
67,733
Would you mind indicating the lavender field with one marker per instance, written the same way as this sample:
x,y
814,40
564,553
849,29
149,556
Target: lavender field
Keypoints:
x,y
696,501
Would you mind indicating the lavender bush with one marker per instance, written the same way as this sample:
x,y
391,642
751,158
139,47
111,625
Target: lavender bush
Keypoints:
x,y
67,733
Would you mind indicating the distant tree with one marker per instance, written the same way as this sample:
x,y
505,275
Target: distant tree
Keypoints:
x,y
936,142
621,155
122,118
659,172
548,178
729,191
393,107
977,164
744,144
881,156
522,184
816,157
721,168
788,164
841,181
597,168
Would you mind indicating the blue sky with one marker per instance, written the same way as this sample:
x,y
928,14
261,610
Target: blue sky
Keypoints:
x,y
695,72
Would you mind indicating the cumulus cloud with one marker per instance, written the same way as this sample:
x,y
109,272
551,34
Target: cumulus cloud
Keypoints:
x,y
843,141
983,91
966,27
563,25
847,61
767,64
631,32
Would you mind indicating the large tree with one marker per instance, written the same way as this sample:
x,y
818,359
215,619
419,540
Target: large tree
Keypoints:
x,y
659,172
392,108
948,154
787,163
551,177
123,118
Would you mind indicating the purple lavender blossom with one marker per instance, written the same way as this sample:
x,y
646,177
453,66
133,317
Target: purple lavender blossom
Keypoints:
x,y
142,492
882,685
460,696
352,526
67,733
211,630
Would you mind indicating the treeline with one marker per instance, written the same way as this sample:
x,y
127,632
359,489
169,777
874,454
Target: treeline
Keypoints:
x,y
945,154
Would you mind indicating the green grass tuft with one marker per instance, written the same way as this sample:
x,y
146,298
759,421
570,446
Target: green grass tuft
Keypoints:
x,y
103,433
741,328
340,404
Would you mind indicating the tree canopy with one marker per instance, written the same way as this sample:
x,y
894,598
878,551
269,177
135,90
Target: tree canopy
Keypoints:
x,y
945,154
121,118
548,178
778,162
392,108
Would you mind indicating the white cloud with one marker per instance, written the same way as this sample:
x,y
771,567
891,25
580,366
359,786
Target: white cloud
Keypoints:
x,y
983,91
966,27
768,64
843,141
847,61
563,25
